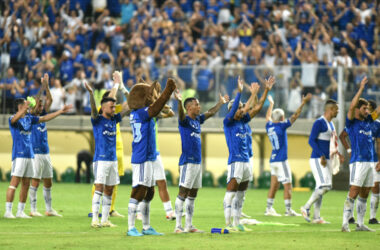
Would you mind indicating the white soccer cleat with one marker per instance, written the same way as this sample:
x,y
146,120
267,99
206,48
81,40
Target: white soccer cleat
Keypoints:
x,y
22,215
271,212
9,215
114,213
179,230
306,214
139,216
193,229
171,216
52,213
364,228
35,214
108,224
346,229
291,212
320,221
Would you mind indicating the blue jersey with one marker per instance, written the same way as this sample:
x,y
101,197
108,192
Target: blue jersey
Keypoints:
x,y
375,127
39,138
246,119
21,136
144,137
190,131
360,135
320,137
236,135
105,137
279,139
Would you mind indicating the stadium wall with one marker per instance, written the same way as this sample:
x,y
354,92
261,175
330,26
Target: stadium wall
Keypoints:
x,y
64,146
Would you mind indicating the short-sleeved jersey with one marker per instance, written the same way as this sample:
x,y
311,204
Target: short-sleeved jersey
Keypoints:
x,y
105,137
21,135
320,137
360,135
236,135
40,138
144,136
375,127
279,139
190,131
246,119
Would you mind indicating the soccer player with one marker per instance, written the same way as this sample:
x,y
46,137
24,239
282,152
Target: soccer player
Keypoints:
x,y
143,156
190,161
20,125
321,133
118,81
42,163
276,128
361,163
239,169
105,160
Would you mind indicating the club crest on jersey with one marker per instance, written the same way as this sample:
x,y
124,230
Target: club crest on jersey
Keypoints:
x,y
195,125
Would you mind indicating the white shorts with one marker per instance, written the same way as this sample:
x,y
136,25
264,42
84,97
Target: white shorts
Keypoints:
x,y
281,170
42,166
105,172
376,175
158,169
322,174
241,171
190,175
143,174
251,168
23,167
361,174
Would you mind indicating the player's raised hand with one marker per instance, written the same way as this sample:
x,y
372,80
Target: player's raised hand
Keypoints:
x,y
224,99
270,82
177,95
363,82
255,87
270,99
88,87
306,98
67,108
240,84
116,77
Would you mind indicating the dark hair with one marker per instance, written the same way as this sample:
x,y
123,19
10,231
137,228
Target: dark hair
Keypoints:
x,y
361,102
107,99
17,102
330,101
188,100
372,104
106,94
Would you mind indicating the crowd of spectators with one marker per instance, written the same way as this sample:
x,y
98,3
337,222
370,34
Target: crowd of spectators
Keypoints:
x,y
204,45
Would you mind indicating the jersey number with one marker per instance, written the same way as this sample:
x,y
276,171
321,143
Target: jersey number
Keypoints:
x,y
274,140
136,128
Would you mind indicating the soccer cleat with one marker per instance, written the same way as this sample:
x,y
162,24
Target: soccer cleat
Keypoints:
x,y
108,224
151,231
320,221
345,228
90,215
35,214
114,213
232,229
139,216
291,212
95,224
179,230
245,215
193,229
373,221
9,215
305,213
52,213
171,216
134,232
351,220
363,228
271,212
241,228
22,215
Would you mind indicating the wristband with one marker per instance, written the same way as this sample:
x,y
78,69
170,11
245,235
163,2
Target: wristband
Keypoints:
x,y
349,151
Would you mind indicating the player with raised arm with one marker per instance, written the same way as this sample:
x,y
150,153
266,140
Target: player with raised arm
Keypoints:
x,y
239,169
361,162
321,133
105,160
43,168
20,125
144,154
190,161
276,128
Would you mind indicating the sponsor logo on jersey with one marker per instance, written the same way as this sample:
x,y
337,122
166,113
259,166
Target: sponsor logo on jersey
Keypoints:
x,y
367,133
41,129
241,136
109,133
25,132
195,135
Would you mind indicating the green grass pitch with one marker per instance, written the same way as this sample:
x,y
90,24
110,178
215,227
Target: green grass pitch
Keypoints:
x,y
73,201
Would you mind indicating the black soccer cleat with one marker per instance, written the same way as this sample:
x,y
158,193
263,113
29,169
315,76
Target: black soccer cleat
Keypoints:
x,y
351,220
373,221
